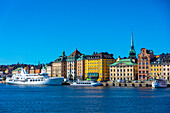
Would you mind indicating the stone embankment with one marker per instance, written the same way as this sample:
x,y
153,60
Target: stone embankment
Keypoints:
x,y
2,82
146,84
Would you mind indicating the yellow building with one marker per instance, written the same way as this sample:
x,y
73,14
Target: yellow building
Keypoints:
x,y
156,70
97,66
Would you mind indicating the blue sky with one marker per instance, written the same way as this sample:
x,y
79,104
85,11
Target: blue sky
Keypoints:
x,y
32,30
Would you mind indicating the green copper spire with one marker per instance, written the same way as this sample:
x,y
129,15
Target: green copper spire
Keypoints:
x,y
132,46
132,52
63,54
38,63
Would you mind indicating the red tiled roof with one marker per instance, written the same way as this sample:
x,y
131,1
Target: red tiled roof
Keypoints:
x,y
75,53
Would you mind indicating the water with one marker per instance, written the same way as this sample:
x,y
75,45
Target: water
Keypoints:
x,y
83,99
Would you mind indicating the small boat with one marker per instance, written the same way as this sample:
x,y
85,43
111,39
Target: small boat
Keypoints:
x,y
86,83
33,79
159,83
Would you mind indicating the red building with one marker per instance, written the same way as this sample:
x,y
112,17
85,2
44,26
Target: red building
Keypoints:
x,y
144,59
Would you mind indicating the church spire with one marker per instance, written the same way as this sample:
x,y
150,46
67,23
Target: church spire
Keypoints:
x,y
132,46
132,52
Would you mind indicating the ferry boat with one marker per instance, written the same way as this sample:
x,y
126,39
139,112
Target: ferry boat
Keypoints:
x,y
159,83
33,79
86,83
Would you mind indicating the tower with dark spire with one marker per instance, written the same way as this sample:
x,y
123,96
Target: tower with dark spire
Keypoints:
x,y
132,52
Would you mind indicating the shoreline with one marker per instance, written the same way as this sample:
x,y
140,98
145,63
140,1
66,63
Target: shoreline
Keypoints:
x,y
111,84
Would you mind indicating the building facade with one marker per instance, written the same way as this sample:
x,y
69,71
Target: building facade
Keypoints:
x,y
59,66
124,69
48,66
144,60
97,66
160,68
81,67
72,64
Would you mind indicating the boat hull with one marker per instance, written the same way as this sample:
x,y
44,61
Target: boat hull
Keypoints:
x,y
49,81
159,85
92,84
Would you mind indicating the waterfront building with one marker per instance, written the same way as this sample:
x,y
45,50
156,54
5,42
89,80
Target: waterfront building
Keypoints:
x,y
160,68
32,70
72,64
144,60
132,52
59,66
156,70
97,66
124,69
48,67
16,71
166,66
81,67
37,70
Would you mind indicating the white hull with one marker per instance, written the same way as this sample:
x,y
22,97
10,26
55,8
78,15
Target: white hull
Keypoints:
x,y
159,83
86,84
48,81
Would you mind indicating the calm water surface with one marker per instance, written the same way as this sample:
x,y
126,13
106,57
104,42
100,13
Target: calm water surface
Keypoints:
x,y
83,99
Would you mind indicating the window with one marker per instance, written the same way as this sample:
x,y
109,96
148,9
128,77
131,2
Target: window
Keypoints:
x,y
128,70
146,63
139,76
139,67
139,71
139,63
147,67
143,59
143,63
143,76
147,72
143,67
143,55
143,71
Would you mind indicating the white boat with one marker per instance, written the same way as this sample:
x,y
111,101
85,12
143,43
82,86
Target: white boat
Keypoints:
x,y
33,79
159,83
86,83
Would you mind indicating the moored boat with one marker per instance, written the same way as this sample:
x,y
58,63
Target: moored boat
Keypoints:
x,y
86,83
159,83
33,79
